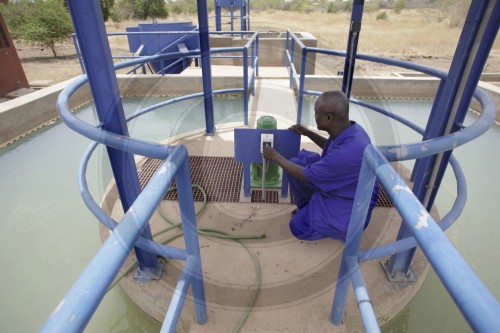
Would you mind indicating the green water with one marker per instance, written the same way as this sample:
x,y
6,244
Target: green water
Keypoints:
x,y
48,236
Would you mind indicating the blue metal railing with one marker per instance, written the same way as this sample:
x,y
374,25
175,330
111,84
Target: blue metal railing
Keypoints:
x,y
81,301
478,306
128,230
249,55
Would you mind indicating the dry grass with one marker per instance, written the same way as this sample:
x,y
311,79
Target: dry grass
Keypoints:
x,y
416,32
412,32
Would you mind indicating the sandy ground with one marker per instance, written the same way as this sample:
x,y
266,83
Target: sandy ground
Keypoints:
x,y
39,64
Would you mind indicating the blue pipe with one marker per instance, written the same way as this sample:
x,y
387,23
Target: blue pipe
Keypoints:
x,y
143,243
206,68
90,31
475,301
361,293
81,301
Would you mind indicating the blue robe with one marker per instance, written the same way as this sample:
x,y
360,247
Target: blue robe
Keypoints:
x,y
326,199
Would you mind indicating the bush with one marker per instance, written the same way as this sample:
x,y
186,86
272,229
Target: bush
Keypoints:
x,y
399,6
261,5
381,16
331,8
150,8
43,22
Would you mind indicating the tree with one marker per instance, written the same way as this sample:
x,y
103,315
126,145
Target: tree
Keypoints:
x,y
150,8
43,22
107,8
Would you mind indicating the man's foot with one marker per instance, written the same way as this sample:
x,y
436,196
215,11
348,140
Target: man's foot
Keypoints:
x,y
293,212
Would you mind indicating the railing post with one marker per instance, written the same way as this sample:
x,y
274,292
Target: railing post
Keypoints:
x,y
450,108
352,45
364,191
92,39
206,68
188,216
218,14
300,101
245,85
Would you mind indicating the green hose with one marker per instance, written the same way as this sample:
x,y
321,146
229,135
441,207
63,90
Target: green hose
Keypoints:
x,y
210,233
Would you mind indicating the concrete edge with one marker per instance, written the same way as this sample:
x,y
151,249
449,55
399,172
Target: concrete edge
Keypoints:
x,y
23,115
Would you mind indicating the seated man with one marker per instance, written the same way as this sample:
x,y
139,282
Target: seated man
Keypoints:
x,y
324,186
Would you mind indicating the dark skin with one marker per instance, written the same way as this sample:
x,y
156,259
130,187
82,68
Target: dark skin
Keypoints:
x,y
325,121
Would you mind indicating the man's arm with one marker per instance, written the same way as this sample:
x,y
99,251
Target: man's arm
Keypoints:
x,y
315,137
289,167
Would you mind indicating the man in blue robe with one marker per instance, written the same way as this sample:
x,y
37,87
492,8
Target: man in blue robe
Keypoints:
x,y
324,185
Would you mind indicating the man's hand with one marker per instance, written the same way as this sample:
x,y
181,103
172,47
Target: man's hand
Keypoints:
x,y
289,167
300,129
270,153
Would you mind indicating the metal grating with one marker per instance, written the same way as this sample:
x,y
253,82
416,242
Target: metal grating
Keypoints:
x,y
271,196
383,199
221,179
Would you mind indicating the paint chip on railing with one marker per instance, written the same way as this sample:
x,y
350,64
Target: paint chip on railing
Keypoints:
x,y
401,152
422,220
401,188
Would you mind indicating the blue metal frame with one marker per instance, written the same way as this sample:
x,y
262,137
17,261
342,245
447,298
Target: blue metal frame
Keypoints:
x,y
450,108
81,301
476,302
206,67
478,305
97,61
352,45
247,150
488,21
250,57
244,16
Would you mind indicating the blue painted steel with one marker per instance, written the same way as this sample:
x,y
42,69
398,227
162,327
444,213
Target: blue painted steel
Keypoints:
x,y
78,53
244,13
81,301
364,191
91,35
451,106
188,217
206,68
352,45
145,244
364,303
179,296
478,305
247,150
245,85
300,102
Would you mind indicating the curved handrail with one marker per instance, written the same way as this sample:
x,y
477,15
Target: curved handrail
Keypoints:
x,y
406,151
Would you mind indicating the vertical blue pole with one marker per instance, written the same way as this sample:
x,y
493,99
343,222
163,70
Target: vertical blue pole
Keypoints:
x,y
243,24
218,20
479,33
206,68
96,54
292,60
188,216
362,199
245,85
300,102
352,45
248,13
231,11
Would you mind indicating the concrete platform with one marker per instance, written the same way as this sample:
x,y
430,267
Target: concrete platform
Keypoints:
x,y
297,278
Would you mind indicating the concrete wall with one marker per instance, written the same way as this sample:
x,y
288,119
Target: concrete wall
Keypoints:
x,y
271,50
22,115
